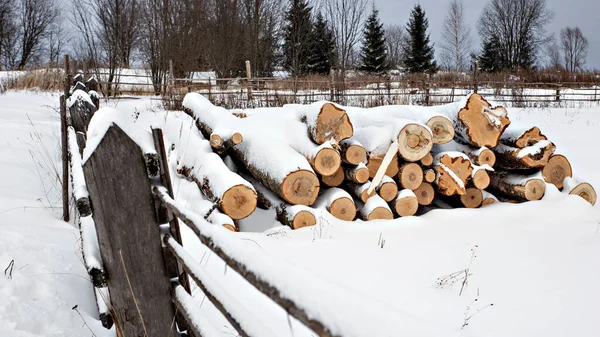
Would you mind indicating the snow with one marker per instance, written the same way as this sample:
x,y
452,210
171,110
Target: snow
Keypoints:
x,y
91,249
372,203
536,262
78,95
78,179
533,149
329,196
200,323
405,193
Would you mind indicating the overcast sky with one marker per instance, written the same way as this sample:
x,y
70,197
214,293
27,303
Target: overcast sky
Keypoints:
x,y
582,13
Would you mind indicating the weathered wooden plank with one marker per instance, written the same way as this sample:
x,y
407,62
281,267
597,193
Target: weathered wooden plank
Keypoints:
x,y
129,237
65,157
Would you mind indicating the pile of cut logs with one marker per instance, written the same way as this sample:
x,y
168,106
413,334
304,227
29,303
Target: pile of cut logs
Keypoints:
x,y
377,163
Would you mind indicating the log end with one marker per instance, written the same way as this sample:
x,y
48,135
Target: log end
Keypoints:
x,y
375,162
586,191
415,142
388,191
300,188
539,159
216,140
488,201
442,129
425,194
303,219
380,213
484,125
355,154
429,176
407,206
334,180
488,157
332,122
327,161
239,202
230,227
410,176
530,137
365,195
427,160
362,175
472,198
481,179
557,169
237,138
343,209
534,189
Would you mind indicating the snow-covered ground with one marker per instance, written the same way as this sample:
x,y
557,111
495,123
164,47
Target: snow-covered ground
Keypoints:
x,y
537,263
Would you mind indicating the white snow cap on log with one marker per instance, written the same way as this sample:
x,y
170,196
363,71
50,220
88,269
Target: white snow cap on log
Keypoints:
x,y
103,119
329,196
406,193
533,149
198,321
79,187
374,202
91,248
79,95
411,112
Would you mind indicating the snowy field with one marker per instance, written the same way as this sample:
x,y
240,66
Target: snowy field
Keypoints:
x,y
534,267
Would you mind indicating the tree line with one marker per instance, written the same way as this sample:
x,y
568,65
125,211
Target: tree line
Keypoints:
x,y
301,36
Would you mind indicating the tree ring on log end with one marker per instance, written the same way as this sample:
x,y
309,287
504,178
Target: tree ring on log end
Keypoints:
x,y
238,202
300,188
332,122
488,201
429,176
488,157
411,176
484,125
388,191
586,191
304,219
215,140
380,213
334,180
414,142
362,175
327,161
442,129
355,154
230,227
481,179
406,206
343,209
535,189
472,199
557,169
237,138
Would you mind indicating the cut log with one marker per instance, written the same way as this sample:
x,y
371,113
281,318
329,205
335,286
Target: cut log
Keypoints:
x,y
480,179
410,176
584,190
557,169
223,140
519,137
376,208
325,160
472,199
534,156
427,160
358,174
415,142
327,121
338,203
335,179
361,191
478,156
406,203
488,198
479,123
425,194
441,128
453,171
429,175
352,152
292,179
375,162
518,186
238,201
387,190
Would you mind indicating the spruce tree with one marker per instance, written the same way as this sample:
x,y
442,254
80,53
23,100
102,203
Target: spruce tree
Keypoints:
x,y
491,59
322,47
418,53
373,54
297,34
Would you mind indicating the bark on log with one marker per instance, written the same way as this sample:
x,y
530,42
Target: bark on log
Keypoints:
x,y
515,136
535,156
429,175
479,124
374,163
425,194
335,179
410,176
517,186
352,152
406,203
331,122
452,173
387,190
361,190
556,170
376,208
584,190
358,174
338,203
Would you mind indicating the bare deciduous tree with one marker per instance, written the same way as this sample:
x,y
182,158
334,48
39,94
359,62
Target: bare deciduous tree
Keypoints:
x,y
346,18
574,47
553,57
395,39
456,37
519,26
35,19
262,21
8,29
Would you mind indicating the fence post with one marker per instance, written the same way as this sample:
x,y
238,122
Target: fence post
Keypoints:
x,y
64,145
129,235
331,84
426,93
558,86
475,69
249,78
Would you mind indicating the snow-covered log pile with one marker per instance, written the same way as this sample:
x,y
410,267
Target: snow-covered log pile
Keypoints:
x,y
381,162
